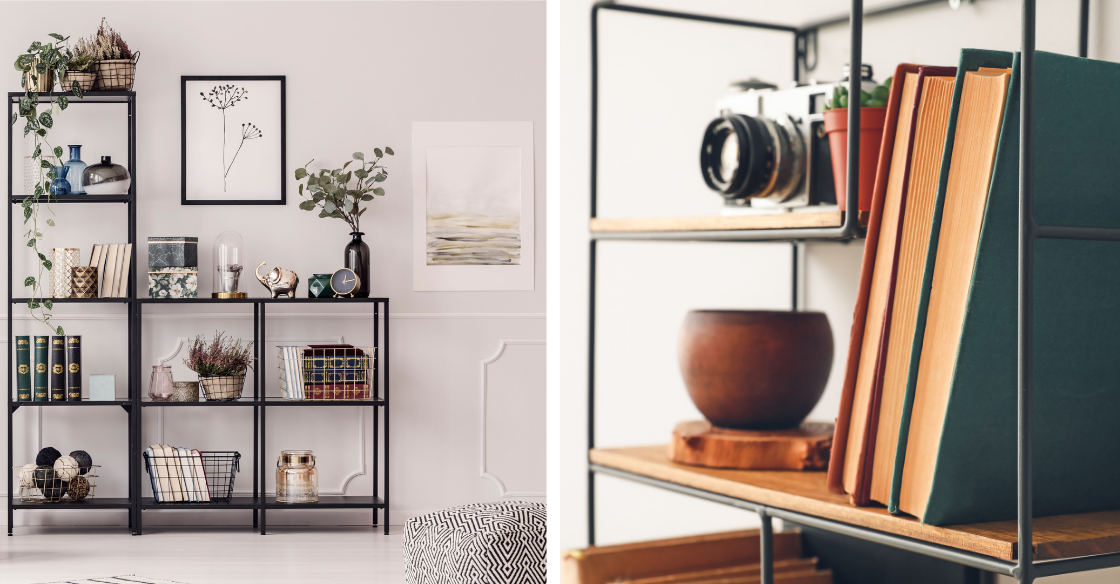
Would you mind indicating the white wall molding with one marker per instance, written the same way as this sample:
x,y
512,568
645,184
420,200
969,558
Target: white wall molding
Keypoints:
x,y
484,472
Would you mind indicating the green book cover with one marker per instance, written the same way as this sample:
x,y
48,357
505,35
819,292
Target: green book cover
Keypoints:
x,y
73,368
23,368
971,60
58,368
39,386
1076,315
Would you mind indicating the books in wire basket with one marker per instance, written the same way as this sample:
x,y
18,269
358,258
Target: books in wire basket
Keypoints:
x,y
327,372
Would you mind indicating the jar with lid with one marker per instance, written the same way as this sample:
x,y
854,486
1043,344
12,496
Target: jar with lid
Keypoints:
x,y
297,479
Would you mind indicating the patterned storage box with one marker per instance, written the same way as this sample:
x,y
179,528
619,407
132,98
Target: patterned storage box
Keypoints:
x,y
172,252
173,282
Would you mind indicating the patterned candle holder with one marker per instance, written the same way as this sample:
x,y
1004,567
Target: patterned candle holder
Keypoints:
x,y
63,262
83,282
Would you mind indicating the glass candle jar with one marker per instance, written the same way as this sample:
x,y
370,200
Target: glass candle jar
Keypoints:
x,y
297,479
229,261
162,386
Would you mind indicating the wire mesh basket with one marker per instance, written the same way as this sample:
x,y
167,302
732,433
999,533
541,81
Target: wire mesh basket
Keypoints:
x,y
182,475
327,372
47,484
221,387
116,74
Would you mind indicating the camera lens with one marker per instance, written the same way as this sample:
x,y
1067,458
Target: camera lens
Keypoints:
x,y
743,157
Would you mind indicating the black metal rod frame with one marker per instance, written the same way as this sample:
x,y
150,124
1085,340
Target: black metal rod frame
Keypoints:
x,y
134,404
1025,569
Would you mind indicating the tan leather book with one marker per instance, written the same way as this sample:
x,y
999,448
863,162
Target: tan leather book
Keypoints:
x,y
979,120
866,353
615,563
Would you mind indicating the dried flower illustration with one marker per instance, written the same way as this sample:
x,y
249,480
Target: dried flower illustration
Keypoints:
x,y
224,97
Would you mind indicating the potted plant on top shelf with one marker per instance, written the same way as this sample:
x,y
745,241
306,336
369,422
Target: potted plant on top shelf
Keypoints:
x,y
873,116
220,364
330,192
115,62
82,69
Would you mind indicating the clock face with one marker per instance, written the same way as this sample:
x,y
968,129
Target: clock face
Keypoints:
x,y
344,282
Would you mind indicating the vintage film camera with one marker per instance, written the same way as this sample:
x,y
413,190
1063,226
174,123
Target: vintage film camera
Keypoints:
x,y
768,150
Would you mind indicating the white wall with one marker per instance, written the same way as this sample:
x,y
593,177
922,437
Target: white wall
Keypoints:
x,y
658,85
358,75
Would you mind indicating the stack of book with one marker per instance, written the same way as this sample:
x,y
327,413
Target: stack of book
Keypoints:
x,y
326,372
112,261
178,474
59,363
927,422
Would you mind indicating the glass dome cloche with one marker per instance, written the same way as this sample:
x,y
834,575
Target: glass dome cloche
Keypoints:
x,y
229,261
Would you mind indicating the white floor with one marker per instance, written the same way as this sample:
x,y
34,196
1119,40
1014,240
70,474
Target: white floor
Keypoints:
x,y
196,555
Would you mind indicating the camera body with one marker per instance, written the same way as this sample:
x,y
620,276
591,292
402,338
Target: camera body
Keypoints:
x,y
767,149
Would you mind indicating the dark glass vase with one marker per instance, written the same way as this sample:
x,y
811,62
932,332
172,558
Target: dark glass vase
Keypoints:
x,y
357,259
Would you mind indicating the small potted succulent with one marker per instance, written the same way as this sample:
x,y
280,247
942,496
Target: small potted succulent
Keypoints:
x,y
873,116
82,69
220,364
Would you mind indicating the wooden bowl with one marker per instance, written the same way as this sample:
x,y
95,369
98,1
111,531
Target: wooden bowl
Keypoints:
x,y
754,369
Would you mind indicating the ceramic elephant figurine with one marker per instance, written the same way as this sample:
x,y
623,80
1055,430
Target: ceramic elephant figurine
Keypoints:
x,y
279,281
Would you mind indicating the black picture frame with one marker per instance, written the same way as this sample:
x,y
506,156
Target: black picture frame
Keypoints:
x,y
283,198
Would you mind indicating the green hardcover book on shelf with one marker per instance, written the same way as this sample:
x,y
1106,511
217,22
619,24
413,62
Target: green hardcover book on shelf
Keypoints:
x,y
73,368
23,368
966,425
58,368
39,389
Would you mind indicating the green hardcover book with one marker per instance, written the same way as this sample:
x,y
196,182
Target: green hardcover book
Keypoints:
x,y
39,383
971,60
1076,309
58,368
23,368
74,368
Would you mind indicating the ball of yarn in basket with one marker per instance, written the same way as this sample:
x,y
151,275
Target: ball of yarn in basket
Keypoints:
x,y
66,468
27,476
78,488
84,460
54,490
47,456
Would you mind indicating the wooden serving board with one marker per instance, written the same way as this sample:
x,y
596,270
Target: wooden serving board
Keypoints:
x,y
702,444
1061,536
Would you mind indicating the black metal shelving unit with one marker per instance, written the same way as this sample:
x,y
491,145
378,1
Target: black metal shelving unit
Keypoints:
x,y
129,200
259,502
134,404
1025,568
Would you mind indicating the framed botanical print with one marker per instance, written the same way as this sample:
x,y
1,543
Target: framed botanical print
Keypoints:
x,y
233,140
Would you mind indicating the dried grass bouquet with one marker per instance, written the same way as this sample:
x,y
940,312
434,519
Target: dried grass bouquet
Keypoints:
x,y
222,356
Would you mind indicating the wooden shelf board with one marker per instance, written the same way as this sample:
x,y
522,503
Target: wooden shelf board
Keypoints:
x,y
1063,536
743,222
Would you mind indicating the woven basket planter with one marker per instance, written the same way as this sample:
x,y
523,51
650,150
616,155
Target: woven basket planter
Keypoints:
x,y
116,74
85,80
221,387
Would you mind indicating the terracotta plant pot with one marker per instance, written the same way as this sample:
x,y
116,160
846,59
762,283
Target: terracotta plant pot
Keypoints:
x,y
753,369
871,121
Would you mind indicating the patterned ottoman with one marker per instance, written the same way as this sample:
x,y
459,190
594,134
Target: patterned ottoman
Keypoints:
x,y
484,543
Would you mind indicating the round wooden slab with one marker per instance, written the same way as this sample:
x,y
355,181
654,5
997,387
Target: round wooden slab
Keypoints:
x,y
702,444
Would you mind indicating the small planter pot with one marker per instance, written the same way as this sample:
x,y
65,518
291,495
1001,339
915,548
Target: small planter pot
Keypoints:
x,y
184,391
85,80
871,121
221,387
116,74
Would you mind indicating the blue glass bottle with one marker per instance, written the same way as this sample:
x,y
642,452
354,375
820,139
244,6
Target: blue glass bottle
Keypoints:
x,y
60,186
77,167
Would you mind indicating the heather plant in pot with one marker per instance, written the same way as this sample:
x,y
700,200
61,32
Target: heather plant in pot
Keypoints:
x,y
221,364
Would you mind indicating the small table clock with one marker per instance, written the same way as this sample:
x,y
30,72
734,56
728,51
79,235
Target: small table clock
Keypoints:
x,y
345,283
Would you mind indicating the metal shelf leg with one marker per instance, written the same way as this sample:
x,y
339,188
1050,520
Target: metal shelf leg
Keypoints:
x,y
766,547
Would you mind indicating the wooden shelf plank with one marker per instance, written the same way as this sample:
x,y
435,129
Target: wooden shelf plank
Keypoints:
x,y
1063,536
743,222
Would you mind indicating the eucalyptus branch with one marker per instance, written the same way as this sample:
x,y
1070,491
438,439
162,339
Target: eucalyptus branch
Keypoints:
x,y
330,192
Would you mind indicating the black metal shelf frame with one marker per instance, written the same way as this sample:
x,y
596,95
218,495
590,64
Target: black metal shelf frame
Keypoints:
x,y
115,97
134,404
1025,569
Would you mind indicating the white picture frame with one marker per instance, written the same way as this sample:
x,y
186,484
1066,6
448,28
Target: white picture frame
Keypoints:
x,y
473,215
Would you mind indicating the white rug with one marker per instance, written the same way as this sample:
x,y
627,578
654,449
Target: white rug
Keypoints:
x,y
130,579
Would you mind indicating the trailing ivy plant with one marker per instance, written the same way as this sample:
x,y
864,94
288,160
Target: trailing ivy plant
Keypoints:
x,y
41,59
330,191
